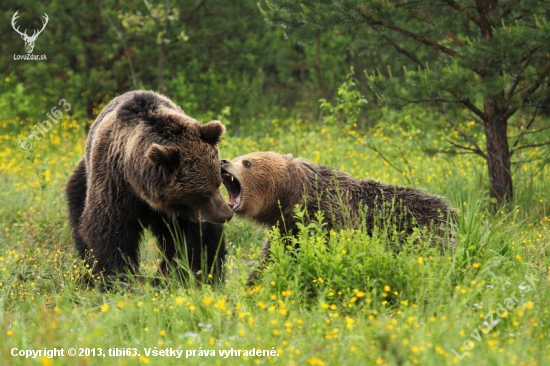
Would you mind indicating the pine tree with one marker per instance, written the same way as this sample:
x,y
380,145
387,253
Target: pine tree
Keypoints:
x,y
486,58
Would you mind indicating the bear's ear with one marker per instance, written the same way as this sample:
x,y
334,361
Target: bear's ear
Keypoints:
x,y
211,132
288,157
164,156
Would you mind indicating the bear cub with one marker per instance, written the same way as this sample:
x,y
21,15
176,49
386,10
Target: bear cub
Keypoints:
x,y
148,165
266,186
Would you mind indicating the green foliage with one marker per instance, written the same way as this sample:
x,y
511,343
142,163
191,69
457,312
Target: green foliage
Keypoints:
x,y
348,105
353,269
489,60
212,55
442,54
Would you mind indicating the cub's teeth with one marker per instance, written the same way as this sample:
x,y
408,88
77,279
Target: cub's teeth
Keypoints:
x,y
232,178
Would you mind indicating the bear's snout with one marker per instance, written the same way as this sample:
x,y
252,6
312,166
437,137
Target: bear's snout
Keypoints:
x,y
225,162
216,209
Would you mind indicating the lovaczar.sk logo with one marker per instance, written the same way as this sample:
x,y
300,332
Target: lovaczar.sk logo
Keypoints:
x,y
29,40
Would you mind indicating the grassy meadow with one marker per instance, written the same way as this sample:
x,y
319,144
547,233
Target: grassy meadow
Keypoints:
x,y
345,299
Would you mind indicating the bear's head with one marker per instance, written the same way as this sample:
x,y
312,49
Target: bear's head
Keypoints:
x,y
171,160
255,183
188,174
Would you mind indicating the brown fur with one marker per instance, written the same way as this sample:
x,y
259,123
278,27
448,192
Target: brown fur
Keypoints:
x,y
271,185
147,164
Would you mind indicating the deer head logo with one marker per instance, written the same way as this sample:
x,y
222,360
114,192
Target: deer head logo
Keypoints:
x,y
29,40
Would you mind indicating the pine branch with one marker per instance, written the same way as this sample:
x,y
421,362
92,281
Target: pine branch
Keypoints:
x,y
125,48
483,7
542,76
543,165
522,133
399,48
507,10
467,137
375,149
424,17
429,100
408,34
510,92
469,15
455,39
471,106
450,152
191,13
531,51
526,58
475,119
423,40
526,132
509,113
529,146
470,149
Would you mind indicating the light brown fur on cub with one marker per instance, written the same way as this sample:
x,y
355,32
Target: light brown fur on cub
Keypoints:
x,y
266,186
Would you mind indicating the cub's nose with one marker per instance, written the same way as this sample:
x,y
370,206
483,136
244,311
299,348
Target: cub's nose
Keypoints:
x,y
225,162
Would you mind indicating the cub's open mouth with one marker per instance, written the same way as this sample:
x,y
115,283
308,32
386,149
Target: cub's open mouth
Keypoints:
x,y
234,190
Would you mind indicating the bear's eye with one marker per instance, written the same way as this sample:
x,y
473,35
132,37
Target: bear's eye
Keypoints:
x,y
247,163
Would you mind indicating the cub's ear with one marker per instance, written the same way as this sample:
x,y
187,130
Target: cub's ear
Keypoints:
x,y
211,132
165,157
288,157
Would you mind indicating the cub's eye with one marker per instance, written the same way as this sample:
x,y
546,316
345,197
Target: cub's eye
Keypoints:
x,y
247,164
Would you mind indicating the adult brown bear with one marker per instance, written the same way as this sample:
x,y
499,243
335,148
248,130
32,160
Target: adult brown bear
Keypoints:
x,y
148,164
266,186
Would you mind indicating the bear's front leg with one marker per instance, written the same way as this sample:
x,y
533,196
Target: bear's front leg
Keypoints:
x,y
76,200
199,248
112,242
167,233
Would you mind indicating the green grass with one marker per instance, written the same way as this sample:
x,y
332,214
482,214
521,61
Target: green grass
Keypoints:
x,y
344,299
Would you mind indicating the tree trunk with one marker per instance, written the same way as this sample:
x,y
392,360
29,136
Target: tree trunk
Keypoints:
x,y
498,153
318,68
162,48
